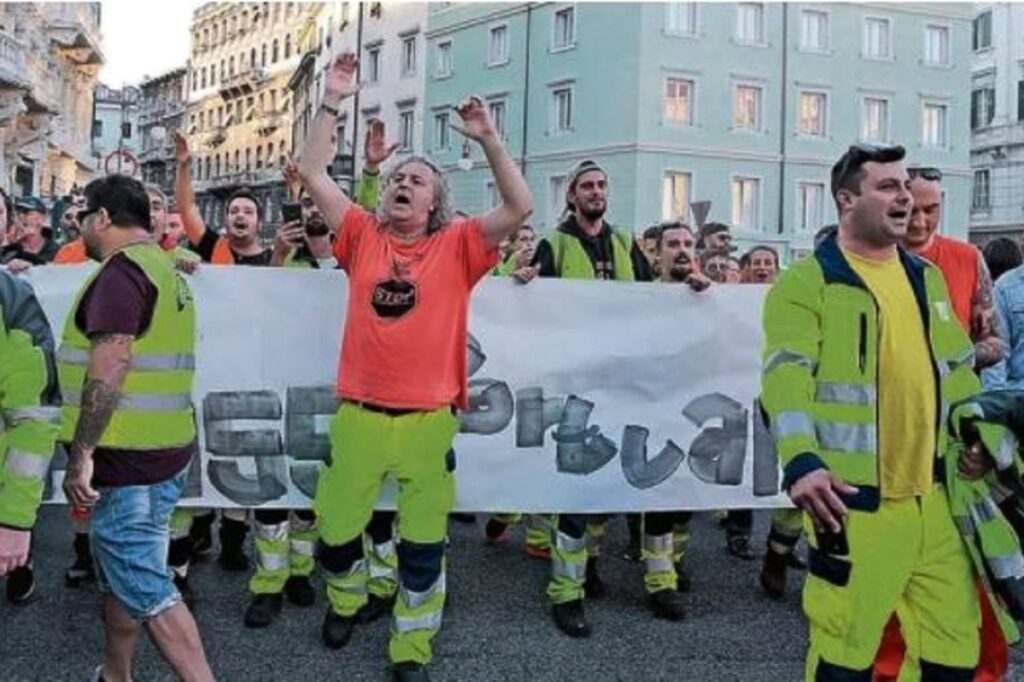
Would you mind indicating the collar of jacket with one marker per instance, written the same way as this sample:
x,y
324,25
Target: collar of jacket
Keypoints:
x,y
571,227
837,270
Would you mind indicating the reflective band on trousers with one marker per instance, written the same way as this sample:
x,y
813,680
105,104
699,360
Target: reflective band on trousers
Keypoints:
x,y
381,570
1004,453
271,562
303,547
417,599
783,357
356,568
984,510
576,571
139,363
964,525
569,544
384,550
274,532
654,543
1007,566
792,424
846,437
141,402
845,394
429,621
27,464
38,413
658,565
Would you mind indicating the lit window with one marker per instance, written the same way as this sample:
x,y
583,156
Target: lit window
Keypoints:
x,y
678,107
746,108
812,113
675,196
746,203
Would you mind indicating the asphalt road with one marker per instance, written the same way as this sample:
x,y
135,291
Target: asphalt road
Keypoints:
x,y
497,625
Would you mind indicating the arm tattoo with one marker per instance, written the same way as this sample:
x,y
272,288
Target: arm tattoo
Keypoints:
x,y
988,347
99,399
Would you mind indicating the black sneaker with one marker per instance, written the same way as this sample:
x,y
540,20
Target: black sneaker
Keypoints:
x,y
496,532
262,610
337,630
21,585
739,547
374,609
188,595
232,539
409,671
593,586
299,591
773,574
201,535
666,604
571,619
82,571
682,578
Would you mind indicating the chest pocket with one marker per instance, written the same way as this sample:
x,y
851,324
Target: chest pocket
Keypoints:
x,y
849,335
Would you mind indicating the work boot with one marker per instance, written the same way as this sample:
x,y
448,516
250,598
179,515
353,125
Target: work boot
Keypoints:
x,y
773,574
496,532
739,546
232,538
593,586
299,591
633,551
409,671
796,562
337,630
82,571
375,608
262,610
570,618
21,585
666,604
188,595
682,578
201,535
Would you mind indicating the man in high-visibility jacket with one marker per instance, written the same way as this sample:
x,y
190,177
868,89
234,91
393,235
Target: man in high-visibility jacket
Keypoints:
x,y
126,367
29,418
863,358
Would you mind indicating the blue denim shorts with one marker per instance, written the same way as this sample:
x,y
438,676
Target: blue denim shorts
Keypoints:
x,y
130,532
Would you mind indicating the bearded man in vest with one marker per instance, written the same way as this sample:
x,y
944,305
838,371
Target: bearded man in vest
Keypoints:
x,y
126,368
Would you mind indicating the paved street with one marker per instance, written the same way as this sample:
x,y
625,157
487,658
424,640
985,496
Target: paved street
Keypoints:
x,y
496,627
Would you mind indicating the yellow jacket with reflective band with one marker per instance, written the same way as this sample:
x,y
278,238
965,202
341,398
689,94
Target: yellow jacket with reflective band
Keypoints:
x,y
155,409
29,402
572,261
819,383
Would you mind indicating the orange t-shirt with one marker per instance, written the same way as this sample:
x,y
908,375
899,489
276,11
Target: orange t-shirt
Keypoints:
x,y
958,262
72,252
404,344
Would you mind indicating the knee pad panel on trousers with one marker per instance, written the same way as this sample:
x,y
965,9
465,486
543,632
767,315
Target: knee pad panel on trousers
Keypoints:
x,y
936,672
829,672
339,558
270,517
573,525
306,515
419,564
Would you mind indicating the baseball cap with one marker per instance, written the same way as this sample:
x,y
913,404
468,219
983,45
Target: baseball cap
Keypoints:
x,y
29,203
581,168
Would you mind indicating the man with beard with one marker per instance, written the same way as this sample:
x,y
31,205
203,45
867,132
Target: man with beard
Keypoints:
x,y
759,265
69,223
715,237
649,245
31,244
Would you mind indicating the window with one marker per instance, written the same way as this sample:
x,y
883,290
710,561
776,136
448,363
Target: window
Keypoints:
x,y
373,64
497,109
231,67
981,34
561,115
442,133
874,125
287,45
340,136
259,157
813,109
681,18
812,206
443,67
202,77
252,58
195,80
876,38
498,46
408,56
1020,100
248,159
750,22
97,128
678,107
746,107
491,196
746,203
273,56
675,196
980,198
263,55
556,199
814,30
565,29
933,124
983,107
405,128
936,45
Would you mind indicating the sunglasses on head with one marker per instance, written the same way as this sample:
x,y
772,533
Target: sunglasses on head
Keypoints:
x,y
929,174
85,213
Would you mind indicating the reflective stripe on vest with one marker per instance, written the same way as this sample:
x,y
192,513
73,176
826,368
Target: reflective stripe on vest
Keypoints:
x,y
140,402
1007,566
50,415
846,437
26,464
964,524
984,511
1005,451
145,363
845,394
788,357
792,424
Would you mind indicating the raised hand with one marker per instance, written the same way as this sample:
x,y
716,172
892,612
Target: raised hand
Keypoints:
x,y
476,119
181,151
376,149
340,77
290,172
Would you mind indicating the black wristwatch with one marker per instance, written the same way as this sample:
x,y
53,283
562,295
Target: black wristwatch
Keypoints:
x,y
330,110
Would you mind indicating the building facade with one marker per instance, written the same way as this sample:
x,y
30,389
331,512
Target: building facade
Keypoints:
x,y
737,104
239,110
161,112
50,56
116,142
997,122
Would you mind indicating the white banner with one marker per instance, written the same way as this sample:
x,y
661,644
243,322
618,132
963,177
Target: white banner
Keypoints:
x,y
586,396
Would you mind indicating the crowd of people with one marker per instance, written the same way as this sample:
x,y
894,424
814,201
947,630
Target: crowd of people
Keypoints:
x,y
877,348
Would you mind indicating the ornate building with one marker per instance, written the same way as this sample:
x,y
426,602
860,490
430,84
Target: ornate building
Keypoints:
x,y
49,61
162,111
239,108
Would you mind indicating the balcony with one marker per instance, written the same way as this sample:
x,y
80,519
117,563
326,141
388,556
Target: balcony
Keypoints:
x,y
230,181
156,111
12,61
74,30
243,83
217,136
268,121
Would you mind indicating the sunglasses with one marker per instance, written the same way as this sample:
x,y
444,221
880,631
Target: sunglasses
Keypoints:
x,y
929,174
83,214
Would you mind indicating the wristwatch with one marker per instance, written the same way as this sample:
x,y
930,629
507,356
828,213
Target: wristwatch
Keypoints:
x,y
330,110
